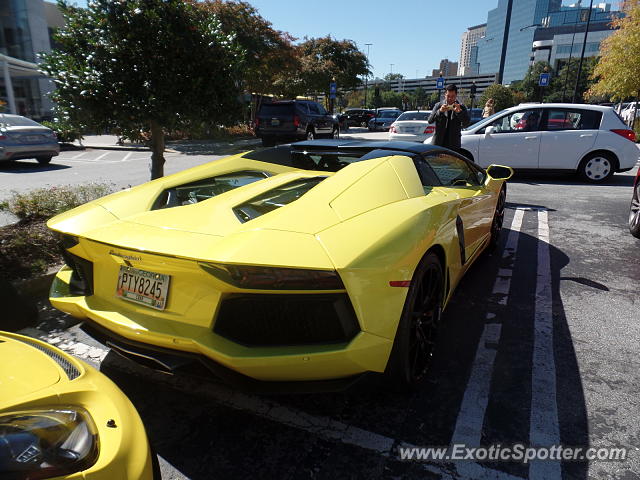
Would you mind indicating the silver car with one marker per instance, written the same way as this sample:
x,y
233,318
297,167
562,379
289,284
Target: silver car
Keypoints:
x,y
21,137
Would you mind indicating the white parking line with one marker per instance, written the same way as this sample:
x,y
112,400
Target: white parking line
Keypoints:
x,y
100,156
77,156
468,429
126,157
544,429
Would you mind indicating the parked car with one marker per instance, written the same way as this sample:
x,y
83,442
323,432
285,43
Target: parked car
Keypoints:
x,y
475,115
590,140
412,126
356,117
294,120
61,418
295,268
21,138
628,113
383,120
634,210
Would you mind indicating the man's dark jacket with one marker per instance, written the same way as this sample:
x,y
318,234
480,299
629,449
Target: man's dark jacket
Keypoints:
x,y
448,137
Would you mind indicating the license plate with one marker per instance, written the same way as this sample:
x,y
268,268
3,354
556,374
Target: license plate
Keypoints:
x,y
275,122
143,287
32,138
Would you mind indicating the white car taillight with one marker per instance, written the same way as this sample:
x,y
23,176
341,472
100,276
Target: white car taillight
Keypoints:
x,y
430,129
628,134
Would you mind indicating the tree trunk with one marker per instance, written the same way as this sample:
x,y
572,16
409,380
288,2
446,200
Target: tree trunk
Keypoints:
x,y
157,149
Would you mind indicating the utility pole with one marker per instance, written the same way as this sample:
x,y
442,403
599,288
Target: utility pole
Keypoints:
x,y
584,46
366,77
573,38
505,40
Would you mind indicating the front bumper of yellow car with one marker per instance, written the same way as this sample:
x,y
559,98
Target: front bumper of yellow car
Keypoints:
x,y
175,346
123,449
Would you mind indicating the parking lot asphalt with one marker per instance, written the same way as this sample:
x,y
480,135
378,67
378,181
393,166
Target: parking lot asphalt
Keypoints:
x,y
539,345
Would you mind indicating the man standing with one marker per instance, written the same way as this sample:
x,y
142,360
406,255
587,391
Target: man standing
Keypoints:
x,y
450,118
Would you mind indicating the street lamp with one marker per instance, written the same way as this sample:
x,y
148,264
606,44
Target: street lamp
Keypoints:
x,y
584,46
366,77
573,38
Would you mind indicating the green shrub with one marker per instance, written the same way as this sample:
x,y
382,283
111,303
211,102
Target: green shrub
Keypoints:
x,y
65,131
44,203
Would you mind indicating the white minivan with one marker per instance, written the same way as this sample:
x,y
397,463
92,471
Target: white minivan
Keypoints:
x,y
590,140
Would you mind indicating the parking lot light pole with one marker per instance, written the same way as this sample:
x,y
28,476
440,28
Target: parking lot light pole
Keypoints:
x,y
584,46
366,77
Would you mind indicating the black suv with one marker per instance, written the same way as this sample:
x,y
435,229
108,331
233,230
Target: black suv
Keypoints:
x,y
357,117
294,120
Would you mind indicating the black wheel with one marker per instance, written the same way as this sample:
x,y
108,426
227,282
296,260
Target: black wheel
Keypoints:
x,y
44,160
335,133
345,127
596,167
634,212
498,220
363,124
268,141
311,134
415,338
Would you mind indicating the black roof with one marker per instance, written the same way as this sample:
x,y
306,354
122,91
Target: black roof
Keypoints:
x,y
338,144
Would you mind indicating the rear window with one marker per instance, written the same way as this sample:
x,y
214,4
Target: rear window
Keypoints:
x,y
195,192
275,109
414,116
389,114
17,122
275,198
560,119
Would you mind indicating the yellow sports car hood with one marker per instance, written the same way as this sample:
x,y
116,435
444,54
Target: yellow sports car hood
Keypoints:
x,y
18,358
126,219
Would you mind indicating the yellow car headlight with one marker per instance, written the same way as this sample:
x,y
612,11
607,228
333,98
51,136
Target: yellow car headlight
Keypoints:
x,y
45,443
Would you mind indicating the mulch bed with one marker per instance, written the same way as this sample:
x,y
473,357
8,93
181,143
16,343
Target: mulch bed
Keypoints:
x,y
27,248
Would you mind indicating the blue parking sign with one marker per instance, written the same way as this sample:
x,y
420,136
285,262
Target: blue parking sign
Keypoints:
x,y
333,89
440,83
544,79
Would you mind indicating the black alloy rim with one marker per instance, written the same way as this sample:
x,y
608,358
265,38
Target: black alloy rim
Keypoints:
x,y
425,317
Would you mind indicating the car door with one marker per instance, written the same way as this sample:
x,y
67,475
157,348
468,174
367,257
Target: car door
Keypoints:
x,y
465,183
514,141
569,134
321,119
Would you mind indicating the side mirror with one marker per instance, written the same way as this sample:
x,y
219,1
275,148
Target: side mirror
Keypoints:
x,y
489,130
499,172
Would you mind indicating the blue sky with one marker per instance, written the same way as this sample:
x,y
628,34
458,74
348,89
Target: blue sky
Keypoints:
x,y
414,35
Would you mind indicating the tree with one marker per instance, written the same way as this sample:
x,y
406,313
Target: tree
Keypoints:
x,y
434,98
563,84
151,65
389,77
529,85
324,59
617,72
270,58
420,96
502,96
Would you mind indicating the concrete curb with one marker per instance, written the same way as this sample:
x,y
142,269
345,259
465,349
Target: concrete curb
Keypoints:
x,y
36,287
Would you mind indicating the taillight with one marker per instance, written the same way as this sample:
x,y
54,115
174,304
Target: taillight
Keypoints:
x,y
370,115
254,277
430,129
3,137
296,121
257,122
628,134
393,129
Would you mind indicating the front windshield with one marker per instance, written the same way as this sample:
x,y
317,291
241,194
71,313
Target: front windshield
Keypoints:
x,y
486,120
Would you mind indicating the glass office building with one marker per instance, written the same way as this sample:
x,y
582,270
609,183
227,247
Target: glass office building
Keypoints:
x,y
25,29
521,24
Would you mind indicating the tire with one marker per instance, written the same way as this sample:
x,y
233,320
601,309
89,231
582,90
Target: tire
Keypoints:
x,y
268,141
634,212
44,160
363,124
498,220
345,127
596,167
335,133
311,134
415,337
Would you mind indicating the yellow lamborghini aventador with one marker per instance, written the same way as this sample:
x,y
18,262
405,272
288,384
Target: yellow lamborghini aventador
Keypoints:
x,y
60,418
297,267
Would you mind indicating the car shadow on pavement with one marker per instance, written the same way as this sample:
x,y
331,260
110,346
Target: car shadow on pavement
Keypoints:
x,y
29,167
616,180
203,438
